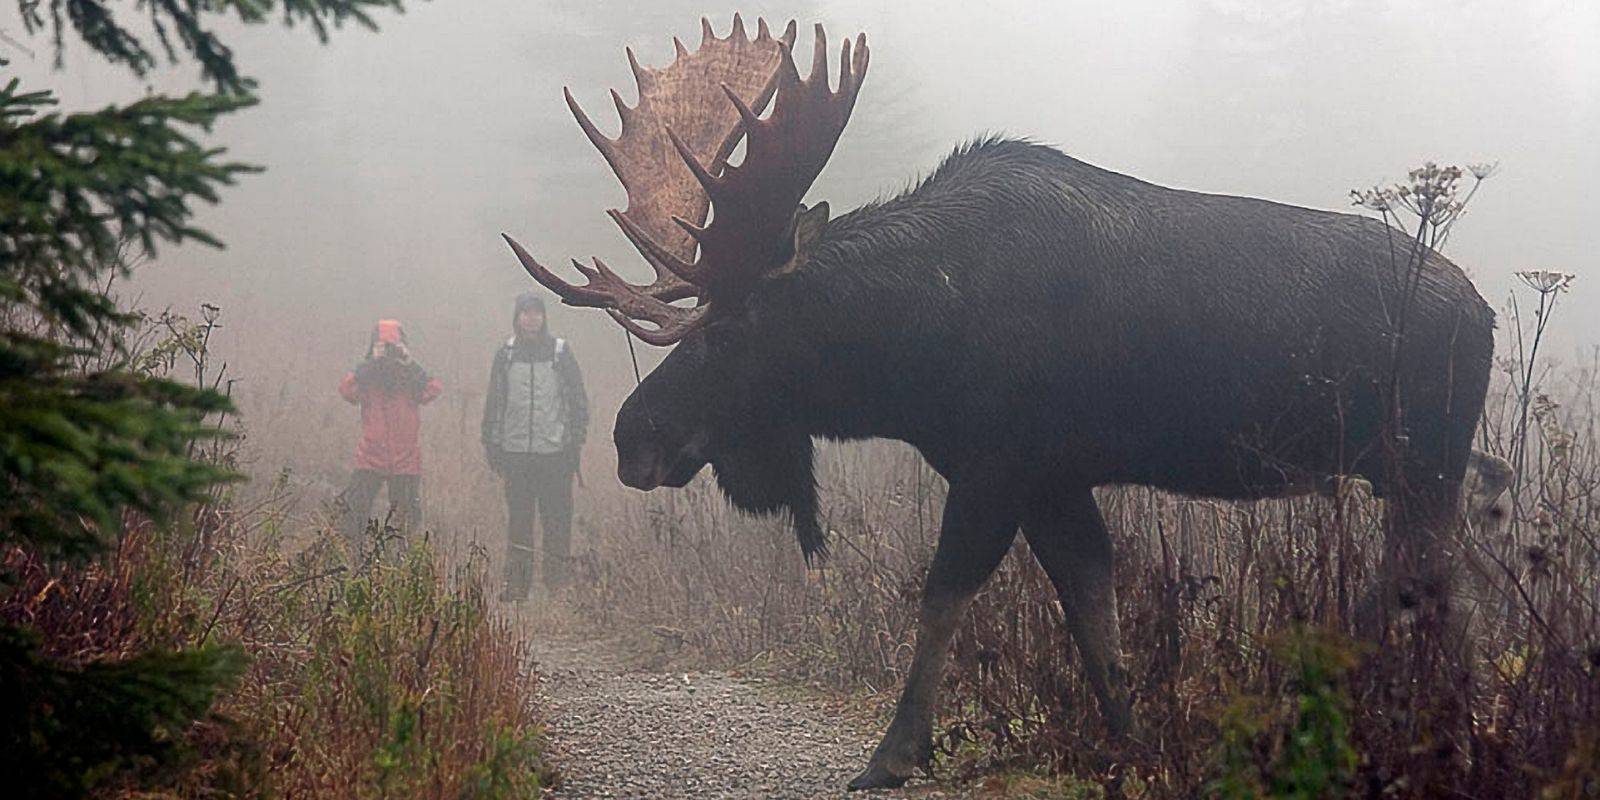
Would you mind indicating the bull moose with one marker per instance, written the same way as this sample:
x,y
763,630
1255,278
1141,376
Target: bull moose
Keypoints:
x,y
1035,326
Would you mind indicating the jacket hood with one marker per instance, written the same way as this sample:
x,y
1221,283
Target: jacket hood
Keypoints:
x,y
525,301
386,330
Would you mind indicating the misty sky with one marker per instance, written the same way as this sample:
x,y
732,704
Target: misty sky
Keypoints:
x,y
395,159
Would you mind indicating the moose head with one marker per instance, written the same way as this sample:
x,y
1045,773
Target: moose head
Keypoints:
x,y
718,398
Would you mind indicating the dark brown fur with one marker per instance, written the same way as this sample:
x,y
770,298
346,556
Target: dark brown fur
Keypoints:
x,y
1038,327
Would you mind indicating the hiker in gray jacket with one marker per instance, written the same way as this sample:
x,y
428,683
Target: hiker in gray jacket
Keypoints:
x,y
535,418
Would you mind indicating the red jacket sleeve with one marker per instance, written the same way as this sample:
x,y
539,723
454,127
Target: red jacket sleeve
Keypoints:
x,y
348,388
431,391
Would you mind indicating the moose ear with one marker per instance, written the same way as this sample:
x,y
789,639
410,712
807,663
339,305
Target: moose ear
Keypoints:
x,y
806,229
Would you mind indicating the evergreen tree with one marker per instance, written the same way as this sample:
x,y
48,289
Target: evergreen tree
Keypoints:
x,y
80,450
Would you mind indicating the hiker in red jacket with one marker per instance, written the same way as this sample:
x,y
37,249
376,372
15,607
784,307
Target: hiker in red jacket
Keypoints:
x,y
390,387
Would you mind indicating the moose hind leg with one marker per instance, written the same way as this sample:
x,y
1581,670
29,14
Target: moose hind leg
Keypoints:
x,y
1488,477
1069,539
977,531
1416,574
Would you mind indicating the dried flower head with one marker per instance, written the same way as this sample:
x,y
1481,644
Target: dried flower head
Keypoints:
x,y
1376,199
1430,192
1545,281
1483,170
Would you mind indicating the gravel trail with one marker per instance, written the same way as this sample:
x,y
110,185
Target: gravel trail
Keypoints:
x,y
622,732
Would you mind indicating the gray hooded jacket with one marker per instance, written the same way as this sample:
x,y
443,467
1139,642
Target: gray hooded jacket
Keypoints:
x,y
535,402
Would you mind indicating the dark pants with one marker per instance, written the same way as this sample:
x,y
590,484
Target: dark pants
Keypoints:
x,y
537,484
405,503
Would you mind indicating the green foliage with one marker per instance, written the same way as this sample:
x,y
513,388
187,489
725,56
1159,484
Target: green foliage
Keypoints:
x,y
84,451
513,765
78,449
69,729
78,186
102,29
1298,751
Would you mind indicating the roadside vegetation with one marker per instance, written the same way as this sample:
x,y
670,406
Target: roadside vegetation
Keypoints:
x,y
160,635
304,671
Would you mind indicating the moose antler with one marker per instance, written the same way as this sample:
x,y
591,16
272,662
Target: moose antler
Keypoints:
x,y
688,96
671,156
784,153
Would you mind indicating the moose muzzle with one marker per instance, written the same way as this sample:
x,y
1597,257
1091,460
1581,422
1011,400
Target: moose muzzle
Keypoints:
x,y
649,466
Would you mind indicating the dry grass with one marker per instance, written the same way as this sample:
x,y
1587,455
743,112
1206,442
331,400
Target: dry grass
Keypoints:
x,y
387,678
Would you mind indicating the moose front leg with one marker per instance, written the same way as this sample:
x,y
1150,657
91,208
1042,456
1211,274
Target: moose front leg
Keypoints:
x,y
979,524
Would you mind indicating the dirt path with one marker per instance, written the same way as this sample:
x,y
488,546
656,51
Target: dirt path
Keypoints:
x,y
620,732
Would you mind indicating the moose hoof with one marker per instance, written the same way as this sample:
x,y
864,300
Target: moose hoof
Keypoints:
x,y
877,776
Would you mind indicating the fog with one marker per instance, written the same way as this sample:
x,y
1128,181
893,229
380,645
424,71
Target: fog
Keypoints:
x,y
394,160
